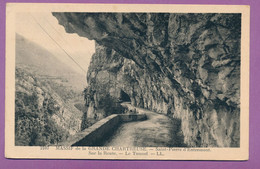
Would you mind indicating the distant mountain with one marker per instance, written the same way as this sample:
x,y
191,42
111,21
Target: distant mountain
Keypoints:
x,y
47,91
30,55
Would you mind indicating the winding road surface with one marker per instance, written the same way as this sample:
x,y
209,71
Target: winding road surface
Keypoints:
x,y
157,131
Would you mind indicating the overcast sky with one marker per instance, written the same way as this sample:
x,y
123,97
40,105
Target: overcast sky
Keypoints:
x,y
81,49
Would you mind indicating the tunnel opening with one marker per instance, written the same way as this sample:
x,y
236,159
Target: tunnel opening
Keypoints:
x,y
124,97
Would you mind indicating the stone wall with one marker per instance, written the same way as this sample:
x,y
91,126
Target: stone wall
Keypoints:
x,y
98,133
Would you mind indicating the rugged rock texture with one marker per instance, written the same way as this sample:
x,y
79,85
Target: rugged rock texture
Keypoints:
x,y
183,65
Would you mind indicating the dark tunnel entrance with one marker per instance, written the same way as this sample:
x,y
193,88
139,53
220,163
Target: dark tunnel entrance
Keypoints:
x,y
124,97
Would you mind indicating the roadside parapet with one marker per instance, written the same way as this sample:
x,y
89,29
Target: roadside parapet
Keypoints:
x,y
99,132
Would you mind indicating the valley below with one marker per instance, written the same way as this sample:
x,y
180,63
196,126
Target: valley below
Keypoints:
x,y
49,105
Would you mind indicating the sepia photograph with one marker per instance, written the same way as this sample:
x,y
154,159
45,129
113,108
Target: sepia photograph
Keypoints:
x,y
128,84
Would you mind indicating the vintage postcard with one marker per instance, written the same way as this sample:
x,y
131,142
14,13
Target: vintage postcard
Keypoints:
x,y
135,82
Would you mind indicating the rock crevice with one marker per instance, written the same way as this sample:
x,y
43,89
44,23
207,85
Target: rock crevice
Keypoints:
x,y
184,65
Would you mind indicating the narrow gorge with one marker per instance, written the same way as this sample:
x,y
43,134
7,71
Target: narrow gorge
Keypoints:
x,y
186,66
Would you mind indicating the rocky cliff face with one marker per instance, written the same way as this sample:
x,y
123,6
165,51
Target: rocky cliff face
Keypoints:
x,y
184,65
